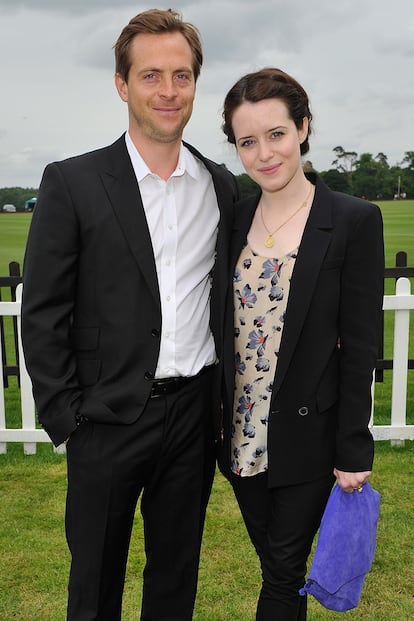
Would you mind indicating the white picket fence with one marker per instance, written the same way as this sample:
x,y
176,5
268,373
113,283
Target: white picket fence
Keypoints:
x,y
401,303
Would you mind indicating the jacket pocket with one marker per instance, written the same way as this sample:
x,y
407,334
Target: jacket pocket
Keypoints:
x,y
85,339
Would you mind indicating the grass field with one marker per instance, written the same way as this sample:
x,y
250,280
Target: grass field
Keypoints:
x,y
34,559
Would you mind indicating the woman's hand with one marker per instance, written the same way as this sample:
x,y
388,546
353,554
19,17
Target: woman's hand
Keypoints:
x,y
351,481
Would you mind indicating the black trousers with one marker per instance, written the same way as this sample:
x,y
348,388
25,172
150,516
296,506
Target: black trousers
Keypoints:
x,y
282,523
168,455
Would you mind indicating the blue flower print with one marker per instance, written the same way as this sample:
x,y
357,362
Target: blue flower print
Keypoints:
x,y
247,298
259,321
245,407
276,293
236,332
264,419
247,388
249,431
271,269
237,275
239,364
260,450
235,466
269,387
247,263
262,364
257,339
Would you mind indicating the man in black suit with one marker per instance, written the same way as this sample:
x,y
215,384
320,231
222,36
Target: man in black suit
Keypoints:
x,y
127,246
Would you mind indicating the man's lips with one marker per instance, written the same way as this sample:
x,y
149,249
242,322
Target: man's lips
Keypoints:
x,y
167,110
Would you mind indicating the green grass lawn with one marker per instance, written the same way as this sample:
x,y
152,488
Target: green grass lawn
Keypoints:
x,y
34,559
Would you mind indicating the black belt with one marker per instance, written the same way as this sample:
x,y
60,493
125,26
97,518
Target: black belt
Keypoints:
x,y
169,385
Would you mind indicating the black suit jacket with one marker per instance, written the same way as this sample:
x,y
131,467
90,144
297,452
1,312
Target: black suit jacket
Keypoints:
x,y
91,312
321,399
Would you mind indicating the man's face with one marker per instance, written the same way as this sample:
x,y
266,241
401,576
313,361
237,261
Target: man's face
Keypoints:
x,y
161,87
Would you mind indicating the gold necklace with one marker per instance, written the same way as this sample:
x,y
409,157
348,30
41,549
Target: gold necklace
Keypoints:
x,y
270,242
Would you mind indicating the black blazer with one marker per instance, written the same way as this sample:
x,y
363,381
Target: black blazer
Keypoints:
x,y
91,312
321,400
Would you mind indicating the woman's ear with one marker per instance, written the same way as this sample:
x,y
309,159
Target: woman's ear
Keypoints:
x,y
303,131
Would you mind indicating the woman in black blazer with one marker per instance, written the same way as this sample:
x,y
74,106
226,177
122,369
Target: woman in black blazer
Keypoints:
x,y
301,337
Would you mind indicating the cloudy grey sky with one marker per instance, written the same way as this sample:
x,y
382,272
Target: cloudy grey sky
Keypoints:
x,y
354,57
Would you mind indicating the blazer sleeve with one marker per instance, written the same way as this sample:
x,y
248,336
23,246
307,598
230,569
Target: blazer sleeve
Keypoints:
x,y
361,301
49,281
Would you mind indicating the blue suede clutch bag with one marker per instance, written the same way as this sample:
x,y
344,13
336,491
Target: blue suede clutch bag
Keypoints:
x,y
345,548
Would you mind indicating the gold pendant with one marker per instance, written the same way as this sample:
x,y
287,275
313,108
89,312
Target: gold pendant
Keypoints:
x,y
270,242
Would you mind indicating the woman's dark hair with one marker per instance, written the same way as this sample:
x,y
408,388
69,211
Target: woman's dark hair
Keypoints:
x,y
156,21
268,83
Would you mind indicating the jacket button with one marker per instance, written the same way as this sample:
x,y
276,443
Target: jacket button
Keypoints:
x,y
303,411
149,376
155,332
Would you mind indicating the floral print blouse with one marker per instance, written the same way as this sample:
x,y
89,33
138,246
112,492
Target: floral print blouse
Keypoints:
x,y
261,291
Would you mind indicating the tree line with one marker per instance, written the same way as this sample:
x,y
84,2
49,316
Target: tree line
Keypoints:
x,y
362,175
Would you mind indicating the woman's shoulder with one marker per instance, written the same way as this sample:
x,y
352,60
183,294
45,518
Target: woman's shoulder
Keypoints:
x,y
346,203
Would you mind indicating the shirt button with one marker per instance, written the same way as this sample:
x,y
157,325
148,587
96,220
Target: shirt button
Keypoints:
x,y
149,376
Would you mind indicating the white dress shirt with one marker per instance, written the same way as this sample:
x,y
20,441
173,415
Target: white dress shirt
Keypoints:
x,y
182,215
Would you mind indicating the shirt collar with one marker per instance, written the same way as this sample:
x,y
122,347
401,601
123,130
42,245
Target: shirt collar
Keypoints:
x,y
187,162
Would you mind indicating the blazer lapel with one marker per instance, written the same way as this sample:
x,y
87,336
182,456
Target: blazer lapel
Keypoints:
x,y
123,192
245,211
315,242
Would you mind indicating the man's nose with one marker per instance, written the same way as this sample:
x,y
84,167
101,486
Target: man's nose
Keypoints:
x,y
167,87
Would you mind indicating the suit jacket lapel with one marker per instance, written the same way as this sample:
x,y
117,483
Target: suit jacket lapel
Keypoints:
x,y
315,241
123,192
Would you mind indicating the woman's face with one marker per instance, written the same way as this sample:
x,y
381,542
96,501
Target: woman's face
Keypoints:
x,y
268,143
